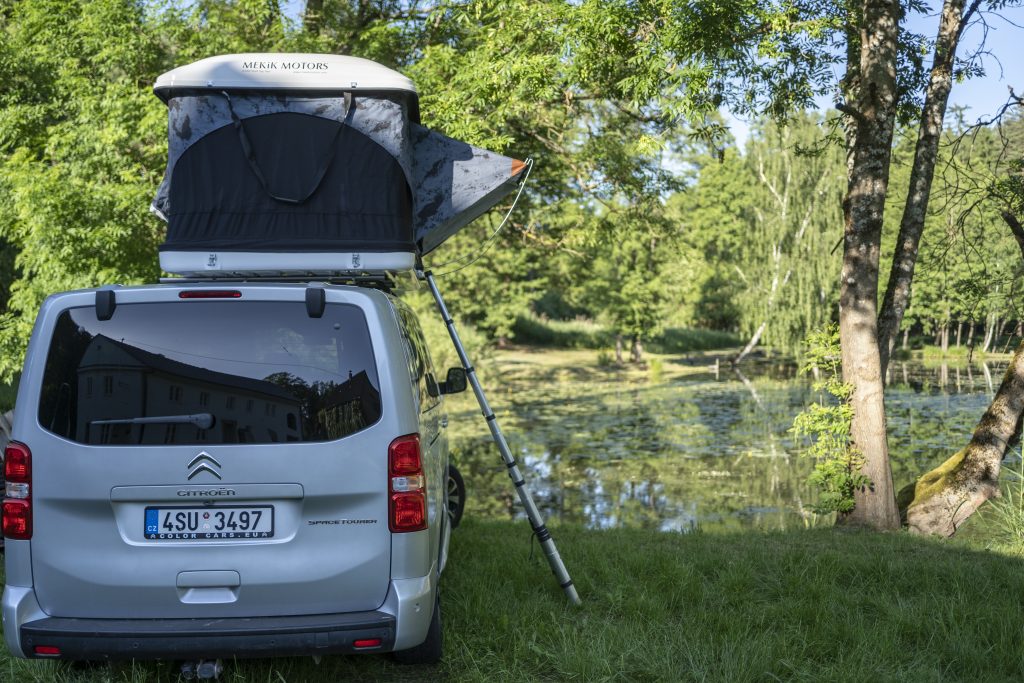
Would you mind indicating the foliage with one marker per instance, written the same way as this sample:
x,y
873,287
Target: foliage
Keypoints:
x,y
760,227
827,424
969,266
641,215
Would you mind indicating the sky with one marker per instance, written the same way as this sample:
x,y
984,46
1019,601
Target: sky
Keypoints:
x,y
1003,34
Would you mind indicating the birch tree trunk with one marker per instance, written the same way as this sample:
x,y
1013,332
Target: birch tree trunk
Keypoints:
x,y
990,329
750,344
940,82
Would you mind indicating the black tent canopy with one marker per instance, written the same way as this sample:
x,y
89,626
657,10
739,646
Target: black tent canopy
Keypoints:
x,y
313,164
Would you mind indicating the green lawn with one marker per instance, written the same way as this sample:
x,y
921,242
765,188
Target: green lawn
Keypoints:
x,y
792,606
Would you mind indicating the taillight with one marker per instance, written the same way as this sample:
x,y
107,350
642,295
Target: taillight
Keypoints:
x,y
406,485
367,642
17,505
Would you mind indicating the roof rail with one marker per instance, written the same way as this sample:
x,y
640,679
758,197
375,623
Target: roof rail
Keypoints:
x,y
383,281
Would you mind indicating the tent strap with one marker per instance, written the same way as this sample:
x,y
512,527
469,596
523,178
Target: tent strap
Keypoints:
x,y
250,156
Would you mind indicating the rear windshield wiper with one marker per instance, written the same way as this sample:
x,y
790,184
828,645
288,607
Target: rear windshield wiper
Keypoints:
x,y
200,420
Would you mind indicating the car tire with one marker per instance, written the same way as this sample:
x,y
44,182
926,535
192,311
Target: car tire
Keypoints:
x,y
429,651
455,496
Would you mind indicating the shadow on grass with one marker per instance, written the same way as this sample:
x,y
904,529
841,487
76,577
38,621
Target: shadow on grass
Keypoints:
x,y
794,606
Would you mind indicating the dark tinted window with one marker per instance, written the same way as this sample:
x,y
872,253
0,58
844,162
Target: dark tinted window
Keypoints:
x,y
420,367
265,371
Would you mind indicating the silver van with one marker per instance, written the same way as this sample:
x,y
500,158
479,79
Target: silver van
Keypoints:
x,y
240,469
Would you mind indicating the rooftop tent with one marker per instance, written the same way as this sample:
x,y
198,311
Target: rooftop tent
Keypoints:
x,y
312,164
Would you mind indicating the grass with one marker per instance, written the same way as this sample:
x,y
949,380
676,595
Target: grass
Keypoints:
x,y
587,334
1001,350
795,606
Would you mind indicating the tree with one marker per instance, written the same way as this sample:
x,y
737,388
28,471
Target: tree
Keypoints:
x,y
942,499
884,73
785,256
955,16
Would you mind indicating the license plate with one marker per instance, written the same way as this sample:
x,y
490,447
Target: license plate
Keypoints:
x,y
224,522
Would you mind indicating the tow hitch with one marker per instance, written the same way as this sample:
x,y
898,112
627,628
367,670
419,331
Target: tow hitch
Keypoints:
x,y
202,669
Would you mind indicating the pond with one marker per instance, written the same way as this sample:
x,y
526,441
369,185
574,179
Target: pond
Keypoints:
x,y
707,449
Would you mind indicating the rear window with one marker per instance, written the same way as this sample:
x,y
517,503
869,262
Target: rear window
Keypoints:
x,y
209,372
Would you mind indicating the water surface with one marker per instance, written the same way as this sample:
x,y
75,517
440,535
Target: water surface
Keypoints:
x,y
708,450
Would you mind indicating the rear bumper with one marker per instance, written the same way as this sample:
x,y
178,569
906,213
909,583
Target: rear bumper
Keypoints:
x,y
187,638
401,622
98,639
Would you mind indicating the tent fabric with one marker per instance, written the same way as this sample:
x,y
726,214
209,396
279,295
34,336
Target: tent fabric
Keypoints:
x,y
455,183
218,203
191,118
388,184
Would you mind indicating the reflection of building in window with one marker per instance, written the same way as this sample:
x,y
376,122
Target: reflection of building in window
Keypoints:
x,y
349,407
115,434
151,385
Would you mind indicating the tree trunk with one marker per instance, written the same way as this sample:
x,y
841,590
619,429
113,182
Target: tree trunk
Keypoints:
x,y
940,82
869,150
990,330
906,335
1004,331
750,344
636,351
949,494
311,17
942,499
970,334
959,329
945,338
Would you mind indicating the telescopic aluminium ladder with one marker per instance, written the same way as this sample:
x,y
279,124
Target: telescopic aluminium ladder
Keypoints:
x,y
536,520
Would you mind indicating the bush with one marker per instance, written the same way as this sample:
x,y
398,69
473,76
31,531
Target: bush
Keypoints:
x,y
587,334
563,334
